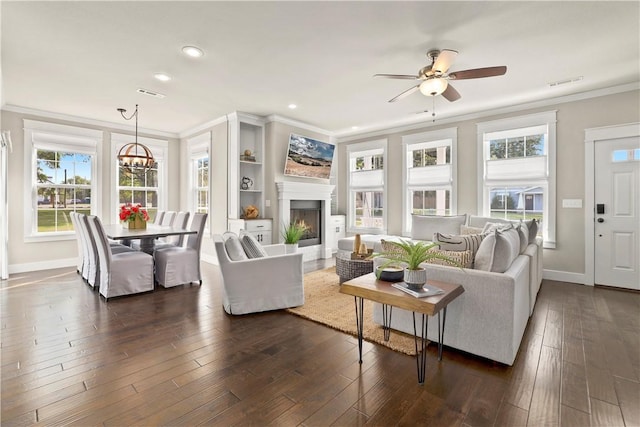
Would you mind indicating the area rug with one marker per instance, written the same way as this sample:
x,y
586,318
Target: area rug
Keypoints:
x,y
323,303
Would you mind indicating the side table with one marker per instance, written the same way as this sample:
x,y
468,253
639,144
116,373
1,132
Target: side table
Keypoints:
x,y
347,268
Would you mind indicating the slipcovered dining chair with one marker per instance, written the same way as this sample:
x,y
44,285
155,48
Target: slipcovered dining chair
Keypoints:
x,y
181,220
81,254
122,273
158,218
179,265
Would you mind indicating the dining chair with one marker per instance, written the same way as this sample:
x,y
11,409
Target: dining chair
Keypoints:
x,y
123,273
179,265
76,226
181,220
158,218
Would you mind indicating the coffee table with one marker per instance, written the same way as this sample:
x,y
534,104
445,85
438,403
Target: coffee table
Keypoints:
x,y
369,287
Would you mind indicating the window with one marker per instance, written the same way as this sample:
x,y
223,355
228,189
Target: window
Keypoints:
x,y
367,183
147,188
517,167
429,168
198,199
61,161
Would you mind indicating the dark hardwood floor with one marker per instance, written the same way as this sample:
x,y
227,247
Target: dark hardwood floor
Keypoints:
x,y
173,357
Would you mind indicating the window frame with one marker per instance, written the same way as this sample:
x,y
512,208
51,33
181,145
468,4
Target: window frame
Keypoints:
x,y
515,126
196,147
61,138
353,150
431,139
159,148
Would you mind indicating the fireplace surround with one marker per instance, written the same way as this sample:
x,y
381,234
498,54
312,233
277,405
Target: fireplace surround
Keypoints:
x,y
289,191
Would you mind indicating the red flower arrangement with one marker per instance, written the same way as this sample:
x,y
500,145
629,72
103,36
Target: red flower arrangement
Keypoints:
x,y
130,213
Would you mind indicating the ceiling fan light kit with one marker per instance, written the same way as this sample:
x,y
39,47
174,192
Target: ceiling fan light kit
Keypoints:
x,y
435,77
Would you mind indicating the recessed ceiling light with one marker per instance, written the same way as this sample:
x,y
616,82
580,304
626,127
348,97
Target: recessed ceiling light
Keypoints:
x,y
292,106
162,77
192,51
355,127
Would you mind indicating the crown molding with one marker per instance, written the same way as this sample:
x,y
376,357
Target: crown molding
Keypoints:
x,y
188,133
83,120
302,125
403,126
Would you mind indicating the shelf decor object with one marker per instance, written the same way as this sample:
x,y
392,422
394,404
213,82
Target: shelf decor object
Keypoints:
x,y
135,157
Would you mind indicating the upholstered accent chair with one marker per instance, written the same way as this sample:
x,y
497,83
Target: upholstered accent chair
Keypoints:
x,y
123,273
251,285
179,265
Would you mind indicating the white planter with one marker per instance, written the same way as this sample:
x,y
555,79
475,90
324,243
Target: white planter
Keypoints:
x,y
415,278
290,248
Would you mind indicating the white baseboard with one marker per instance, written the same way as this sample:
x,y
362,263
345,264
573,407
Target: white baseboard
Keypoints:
x,y
564,276
42,265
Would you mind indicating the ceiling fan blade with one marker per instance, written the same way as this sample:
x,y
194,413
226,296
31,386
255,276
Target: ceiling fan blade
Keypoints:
x,y
450,94
444,61
396,76
477,73
405,93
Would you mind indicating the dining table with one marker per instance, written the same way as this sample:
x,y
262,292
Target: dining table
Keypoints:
x,y
146,235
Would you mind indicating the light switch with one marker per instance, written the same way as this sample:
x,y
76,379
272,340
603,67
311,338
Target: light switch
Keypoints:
x,y
267,203
572,203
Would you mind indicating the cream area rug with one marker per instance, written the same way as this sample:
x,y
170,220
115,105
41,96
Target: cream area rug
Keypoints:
x,y
323,303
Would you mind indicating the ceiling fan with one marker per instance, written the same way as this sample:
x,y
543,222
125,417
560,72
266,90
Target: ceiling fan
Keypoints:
x,y
435,77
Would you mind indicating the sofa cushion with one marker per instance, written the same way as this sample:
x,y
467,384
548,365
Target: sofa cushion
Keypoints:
x,y
233,247
480,221
423,227
497,251
452,242
251,246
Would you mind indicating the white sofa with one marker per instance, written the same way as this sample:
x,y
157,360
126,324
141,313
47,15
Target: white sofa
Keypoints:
x,y
490,317
266,283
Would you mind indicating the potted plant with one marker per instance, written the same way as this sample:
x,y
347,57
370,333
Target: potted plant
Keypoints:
x,y
292,234
133,216
410,255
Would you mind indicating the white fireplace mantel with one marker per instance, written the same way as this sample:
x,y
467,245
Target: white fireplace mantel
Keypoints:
x,y
290,190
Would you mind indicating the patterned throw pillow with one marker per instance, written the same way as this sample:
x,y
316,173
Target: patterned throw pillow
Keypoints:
x,y
465,229
463,258
389,248
451,242
251,247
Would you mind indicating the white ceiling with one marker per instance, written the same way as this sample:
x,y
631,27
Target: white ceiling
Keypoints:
x,y
85,59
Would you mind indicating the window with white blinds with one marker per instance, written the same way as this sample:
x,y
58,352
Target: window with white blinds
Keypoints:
x,y
367,183
517,170
429,168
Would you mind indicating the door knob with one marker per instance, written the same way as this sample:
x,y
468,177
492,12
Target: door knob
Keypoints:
x,y
600,219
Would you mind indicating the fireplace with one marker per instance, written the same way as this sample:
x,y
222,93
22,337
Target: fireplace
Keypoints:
x,y
290,192
307,213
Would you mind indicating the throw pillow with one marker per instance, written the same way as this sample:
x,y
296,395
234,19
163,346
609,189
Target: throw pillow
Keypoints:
x,y
233,247
480,221
450,242
389,248
491,226
523,233
251,246
465,229
497,251
532,225
423,227
463,258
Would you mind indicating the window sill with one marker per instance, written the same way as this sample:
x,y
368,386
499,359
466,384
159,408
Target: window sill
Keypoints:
x,y
50,237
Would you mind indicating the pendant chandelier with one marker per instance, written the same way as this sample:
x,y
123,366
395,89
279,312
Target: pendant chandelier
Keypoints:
x,y
134,157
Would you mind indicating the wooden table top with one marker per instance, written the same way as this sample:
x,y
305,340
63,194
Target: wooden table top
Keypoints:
x,y
370,288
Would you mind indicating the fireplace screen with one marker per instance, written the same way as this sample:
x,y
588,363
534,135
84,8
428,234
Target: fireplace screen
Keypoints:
x,y
307,213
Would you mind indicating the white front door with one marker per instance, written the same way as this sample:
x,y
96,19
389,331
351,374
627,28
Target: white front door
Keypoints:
x,y
617,213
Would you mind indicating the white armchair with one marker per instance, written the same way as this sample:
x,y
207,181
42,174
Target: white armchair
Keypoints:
x,y
260,284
